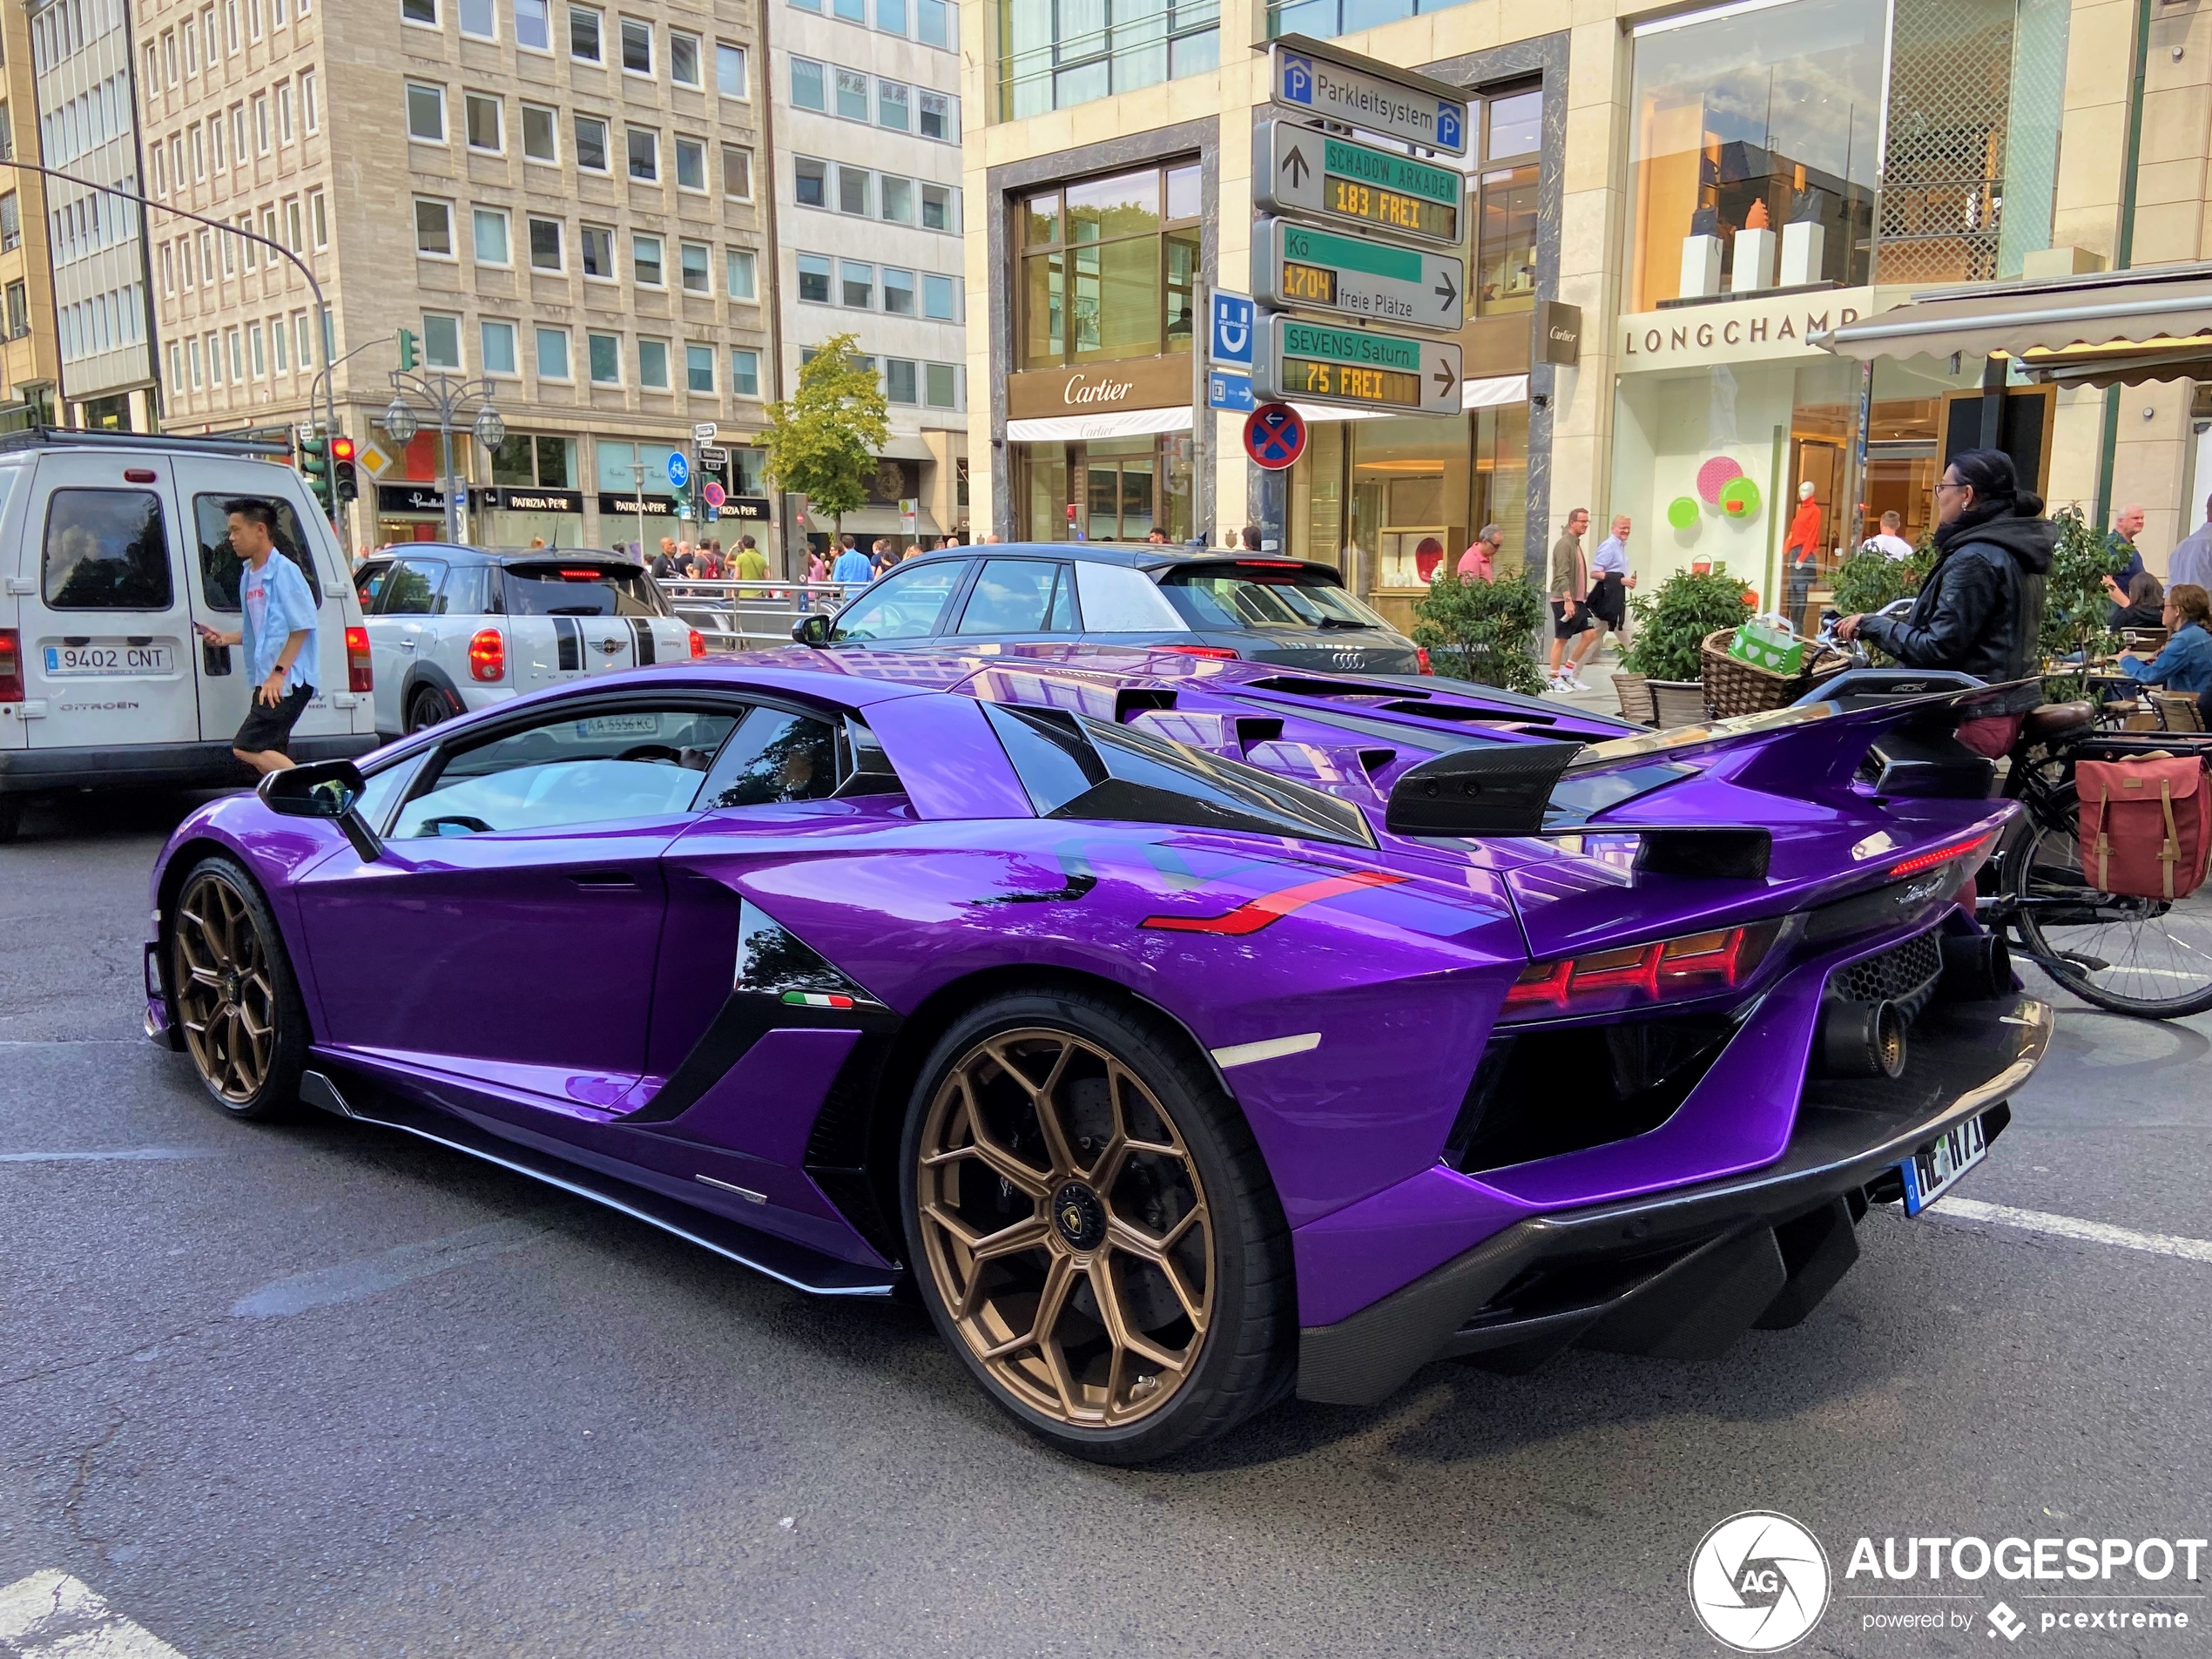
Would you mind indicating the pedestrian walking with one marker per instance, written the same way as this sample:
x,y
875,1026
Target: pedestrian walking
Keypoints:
x,y
1479,562
1614,579
853,568
277,617
753,564
1570,585
1888,542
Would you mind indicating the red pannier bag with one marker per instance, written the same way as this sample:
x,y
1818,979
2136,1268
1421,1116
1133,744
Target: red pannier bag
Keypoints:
x,y
2145,825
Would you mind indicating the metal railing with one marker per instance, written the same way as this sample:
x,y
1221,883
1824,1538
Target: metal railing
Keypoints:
x,y
751,615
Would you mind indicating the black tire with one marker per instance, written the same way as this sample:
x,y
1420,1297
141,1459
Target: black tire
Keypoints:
x,y
1187,1168
2108,951
228,975
426,705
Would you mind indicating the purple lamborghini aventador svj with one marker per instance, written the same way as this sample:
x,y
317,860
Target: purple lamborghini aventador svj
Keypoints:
x,y
1182,1033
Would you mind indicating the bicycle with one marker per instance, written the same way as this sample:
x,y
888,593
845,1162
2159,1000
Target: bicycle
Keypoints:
x,y
2149,958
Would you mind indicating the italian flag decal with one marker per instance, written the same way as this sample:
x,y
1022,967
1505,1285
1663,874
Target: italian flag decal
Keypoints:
x,y
816,999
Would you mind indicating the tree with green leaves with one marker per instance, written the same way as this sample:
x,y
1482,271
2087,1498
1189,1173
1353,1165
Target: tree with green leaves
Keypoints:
x,y
1479,630
822,442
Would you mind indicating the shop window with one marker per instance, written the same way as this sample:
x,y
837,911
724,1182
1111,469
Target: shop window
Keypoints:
x,y
1505,254
1105,272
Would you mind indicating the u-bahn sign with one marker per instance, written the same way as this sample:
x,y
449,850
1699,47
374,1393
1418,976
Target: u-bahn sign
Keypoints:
x,y
1318,362
1296,264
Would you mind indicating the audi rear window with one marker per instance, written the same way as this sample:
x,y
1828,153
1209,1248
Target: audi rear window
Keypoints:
x,y
1264,594
555,589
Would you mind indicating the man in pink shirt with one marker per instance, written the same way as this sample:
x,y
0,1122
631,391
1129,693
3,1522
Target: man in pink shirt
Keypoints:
x,y
1480,560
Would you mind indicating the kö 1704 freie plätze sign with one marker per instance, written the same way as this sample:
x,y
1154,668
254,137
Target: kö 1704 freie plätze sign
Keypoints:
x,y
1298,360
1311,173
1296,264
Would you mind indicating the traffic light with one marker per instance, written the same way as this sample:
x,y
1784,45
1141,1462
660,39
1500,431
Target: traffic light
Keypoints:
x,y
408,357
314,461
341,469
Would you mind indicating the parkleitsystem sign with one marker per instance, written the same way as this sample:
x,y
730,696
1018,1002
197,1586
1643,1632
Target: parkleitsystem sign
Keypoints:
x,y
1322,83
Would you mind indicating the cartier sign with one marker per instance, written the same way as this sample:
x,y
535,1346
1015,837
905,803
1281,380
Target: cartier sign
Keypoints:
x,y
1097,388
1747,330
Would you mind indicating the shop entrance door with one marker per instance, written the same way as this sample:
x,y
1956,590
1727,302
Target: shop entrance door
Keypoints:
x,y
1119,477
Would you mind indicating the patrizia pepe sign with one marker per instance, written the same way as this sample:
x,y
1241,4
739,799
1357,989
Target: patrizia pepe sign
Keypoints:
x,y
1753,329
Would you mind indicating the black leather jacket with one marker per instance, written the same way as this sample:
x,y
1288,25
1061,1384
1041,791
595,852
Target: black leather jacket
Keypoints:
x,y
1980,611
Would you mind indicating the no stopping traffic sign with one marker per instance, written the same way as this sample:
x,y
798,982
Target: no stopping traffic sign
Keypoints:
x,y
1275,435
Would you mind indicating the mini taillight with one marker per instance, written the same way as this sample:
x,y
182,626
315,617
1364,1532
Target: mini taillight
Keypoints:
x,y
10,666
1421,653
699,643
1599,981
359,677
1196,650
487,655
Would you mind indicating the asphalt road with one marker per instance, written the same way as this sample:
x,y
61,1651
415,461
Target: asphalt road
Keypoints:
x,y
313,1390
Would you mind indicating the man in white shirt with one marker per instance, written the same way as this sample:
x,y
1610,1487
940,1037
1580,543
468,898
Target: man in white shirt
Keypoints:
x,y
2192,557
1889,544
1611,578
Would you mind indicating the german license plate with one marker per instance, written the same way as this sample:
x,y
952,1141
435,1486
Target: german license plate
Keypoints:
x,y
1931,1172
619,726
108,657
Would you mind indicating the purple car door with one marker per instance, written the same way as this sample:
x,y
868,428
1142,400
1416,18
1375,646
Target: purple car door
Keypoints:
x,y
511,930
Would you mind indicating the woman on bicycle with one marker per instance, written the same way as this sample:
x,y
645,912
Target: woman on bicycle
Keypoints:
x,y
1980,610
2186,663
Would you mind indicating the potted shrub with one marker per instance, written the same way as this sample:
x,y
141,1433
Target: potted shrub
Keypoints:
x,y
1671,625
1479,630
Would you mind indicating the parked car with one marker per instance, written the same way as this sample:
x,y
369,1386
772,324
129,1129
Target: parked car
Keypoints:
x,y
1183,1031
1252,605
453,628
114,545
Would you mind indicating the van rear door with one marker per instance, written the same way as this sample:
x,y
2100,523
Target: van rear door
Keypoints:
x,y
106,625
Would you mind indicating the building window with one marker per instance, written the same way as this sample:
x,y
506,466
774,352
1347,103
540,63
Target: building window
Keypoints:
x,y
898,291
168,268
426,114
485,128
810,181
745,372
895,197
698,368
852,95
1053,57
310,103
940,117
645,154
937,212
938,301
497,342
539,127
590,144
637,46
856,284
434,227
652,365
421,12
695,263
476,19
814,278
605,351
255,352
441,340
899,385
193,353
942,385
645,262
740,274
280,345
683,58
546,239
690,165
584,34
318,222
534,29
292,226
303,335
737,172
284,113
553,353
852,190
894,106
491,237
1106,268
806,83
599,253
729,72
935,22
261,124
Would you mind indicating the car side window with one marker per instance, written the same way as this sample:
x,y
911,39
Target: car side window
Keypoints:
x,y
369,582
1015,597
776,757
106,549
413,587
904,605
465,592
574,770
219,564
1117,600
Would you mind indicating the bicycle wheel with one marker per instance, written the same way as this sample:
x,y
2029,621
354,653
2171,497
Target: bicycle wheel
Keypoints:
x,y
2149,957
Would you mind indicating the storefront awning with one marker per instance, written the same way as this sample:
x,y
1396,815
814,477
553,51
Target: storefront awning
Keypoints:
x,y
1108,423
2112,328
1487,393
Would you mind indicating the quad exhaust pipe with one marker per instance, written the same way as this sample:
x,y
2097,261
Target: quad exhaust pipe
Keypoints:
x,y
1862,1040
1977,967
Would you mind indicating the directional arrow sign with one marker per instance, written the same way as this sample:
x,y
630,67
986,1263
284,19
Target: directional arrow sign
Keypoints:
x,y
1293,265
1315,362
1299,171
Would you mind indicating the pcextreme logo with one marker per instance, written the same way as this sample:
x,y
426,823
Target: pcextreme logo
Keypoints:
x,y
1758,1581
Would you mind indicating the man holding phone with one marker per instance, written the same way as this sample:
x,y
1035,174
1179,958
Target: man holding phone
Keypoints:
x,y
277,627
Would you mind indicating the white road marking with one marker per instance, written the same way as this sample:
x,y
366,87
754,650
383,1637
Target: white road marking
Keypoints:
x,y
1244,1054
117,1155
2094,1232
52,1615
350,1281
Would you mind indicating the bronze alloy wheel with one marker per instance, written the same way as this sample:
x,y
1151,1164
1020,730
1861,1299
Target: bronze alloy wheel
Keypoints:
x,y
1066,1228
227,998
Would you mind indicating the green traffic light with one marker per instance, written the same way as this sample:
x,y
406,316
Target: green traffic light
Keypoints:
x,y
408,356
314,461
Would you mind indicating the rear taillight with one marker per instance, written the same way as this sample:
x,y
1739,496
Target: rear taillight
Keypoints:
x,y
10,666
699,643
1968,849
1196,650
359,677
1664,970
487,655
1421,654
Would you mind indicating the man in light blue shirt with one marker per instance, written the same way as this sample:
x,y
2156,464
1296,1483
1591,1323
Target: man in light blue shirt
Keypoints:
x,y
2192,559
277,616
852,567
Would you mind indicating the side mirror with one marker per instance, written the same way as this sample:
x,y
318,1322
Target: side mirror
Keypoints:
x,y
325,789
813,628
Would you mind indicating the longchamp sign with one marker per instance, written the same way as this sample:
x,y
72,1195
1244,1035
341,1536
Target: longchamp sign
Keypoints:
x,y
1749,330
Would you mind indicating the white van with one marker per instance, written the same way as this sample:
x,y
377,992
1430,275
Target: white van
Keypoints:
x,y
113,544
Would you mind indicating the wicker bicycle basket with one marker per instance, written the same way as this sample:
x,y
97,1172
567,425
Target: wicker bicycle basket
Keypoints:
x,y
1734,686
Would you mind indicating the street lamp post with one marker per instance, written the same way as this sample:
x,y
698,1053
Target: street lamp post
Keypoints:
x,y
444,394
